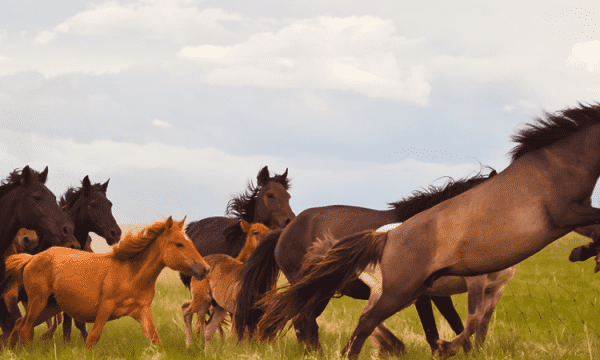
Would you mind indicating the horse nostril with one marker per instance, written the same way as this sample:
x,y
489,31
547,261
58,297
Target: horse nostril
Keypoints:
x,y
65,230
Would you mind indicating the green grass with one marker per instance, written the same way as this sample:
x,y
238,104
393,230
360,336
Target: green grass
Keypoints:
x,y
548,311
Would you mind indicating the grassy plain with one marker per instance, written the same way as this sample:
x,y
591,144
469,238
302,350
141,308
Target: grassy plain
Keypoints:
x,y
548,311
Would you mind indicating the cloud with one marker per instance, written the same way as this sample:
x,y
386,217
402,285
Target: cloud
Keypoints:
x,y
160,123
586,54
159,18
352,53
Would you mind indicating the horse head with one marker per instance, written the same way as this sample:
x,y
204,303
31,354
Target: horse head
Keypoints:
x,y
36,206
273,200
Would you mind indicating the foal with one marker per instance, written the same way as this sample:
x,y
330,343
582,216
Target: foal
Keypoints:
x,y
101,287
220,287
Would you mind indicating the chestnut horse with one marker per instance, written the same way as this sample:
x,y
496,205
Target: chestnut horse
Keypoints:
x,y
286,250
220,287
101,287
267,203
541,196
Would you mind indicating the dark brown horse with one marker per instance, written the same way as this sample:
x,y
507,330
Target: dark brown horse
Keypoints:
x,y
90,211
541,196
25,202
286,251
266,203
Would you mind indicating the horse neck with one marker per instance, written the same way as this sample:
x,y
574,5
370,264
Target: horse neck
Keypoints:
x,y
9,224
81,230
575,156
147,265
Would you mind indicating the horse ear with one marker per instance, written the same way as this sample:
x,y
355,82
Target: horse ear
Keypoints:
x,y
105,186
244,225
493,173
263,176
86,185
169,222
43,175
26,176
284,175
180,224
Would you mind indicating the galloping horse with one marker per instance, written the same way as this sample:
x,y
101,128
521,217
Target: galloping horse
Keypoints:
x,y
220,287
101,287
25,202
541,196
484,291
286,249
267,203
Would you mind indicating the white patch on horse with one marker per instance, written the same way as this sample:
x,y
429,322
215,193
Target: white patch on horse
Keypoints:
x,y
372,274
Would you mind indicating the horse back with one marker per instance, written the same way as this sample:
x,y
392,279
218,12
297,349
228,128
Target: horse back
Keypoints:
x,y
209,238
224,284
313,224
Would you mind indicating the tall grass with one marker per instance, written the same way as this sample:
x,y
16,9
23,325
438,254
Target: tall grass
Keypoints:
x,y
548,311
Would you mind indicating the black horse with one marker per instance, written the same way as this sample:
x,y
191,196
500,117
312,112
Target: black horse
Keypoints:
x,y
267,203
25,202
286,250
90,211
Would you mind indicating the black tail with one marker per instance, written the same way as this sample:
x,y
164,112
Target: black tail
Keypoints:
x,y
320,280
258,275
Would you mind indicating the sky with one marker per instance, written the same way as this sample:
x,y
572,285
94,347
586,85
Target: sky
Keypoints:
x,y
181,103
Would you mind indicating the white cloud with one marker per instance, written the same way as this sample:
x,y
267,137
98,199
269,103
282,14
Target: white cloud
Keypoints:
x,y
353,53
160,123
160,18
587,54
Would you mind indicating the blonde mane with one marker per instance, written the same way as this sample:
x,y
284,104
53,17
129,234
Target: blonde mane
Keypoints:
x,y
132,244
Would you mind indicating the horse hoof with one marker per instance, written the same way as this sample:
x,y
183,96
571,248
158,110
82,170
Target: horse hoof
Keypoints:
x,y
575,254
444,350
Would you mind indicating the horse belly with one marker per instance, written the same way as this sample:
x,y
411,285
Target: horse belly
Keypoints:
x,y
78,290
447,286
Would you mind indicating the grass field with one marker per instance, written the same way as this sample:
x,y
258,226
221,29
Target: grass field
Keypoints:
x,y
548,311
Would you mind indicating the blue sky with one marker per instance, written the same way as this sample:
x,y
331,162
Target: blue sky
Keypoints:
x,y
180,103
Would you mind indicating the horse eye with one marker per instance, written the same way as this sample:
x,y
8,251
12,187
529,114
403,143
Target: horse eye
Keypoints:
x,y
270,196
256,233
179,245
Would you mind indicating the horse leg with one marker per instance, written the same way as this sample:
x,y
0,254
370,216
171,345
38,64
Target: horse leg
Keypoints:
x,y
371,317
146,320
35,307
448,311
67,326
476,291
218,315
52,326
491,300
389,345
425,312
104,312
307,330
81,326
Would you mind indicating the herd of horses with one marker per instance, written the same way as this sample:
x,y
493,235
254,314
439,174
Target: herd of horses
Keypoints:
x,y
468,235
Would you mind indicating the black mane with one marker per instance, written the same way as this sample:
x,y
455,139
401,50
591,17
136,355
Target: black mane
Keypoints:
x,y
242,206
73,194
554,127
14,179
433,195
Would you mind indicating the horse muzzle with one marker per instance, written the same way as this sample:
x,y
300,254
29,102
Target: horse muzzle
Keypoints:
x,y
199,270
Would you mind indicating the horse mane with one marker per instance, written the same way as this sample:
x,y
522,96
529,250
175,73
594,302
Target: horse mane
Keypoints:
x,y
433,195
13,180
243,204
554,127
73,193
133,244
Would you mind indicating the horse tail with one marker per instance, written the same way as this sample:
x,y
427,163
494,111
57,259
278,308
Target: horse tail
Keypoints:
x,y
320,280
258,275
13,275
